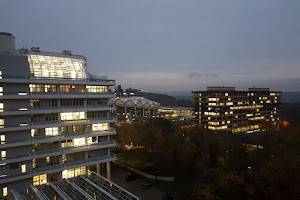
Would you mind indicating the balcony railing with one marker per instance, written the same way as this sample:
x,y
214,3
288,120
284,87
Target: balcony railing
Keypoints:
x,y
26,126
91,78
56,168
60,94
71,121
29,156
25,109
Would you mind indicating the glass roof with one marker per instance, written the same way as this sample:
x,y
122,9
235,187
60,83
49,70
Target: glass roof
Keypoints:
x,y
42,66
81,187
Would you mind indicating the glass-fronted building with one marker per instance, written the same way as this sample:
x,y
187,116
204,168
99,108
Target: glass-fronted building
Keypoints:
x,y
54,117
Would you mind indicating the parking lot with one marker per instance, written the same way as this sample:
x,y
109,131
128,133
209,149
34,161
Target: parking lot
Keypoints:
x,y
134,186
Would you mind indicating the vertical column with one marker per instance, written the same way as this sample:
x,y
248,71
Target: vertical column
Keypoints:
x,y
125,111
85,103
135,111
108,172
143,111
86,158
98,168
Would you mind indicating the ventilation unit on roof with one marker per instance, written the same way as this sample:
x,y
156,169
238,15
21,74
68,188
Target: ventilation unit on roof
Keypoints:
x,y
67,52
37,49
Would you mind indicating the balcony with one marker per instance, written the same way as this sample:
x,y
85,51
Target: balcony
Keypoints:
x,y
58,168
54,95
57,152
57,123
56,138
54,109
91,80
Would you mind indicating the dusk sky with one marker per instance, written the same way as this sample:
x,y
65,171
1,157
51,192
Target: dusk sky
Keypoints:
x,y
168,45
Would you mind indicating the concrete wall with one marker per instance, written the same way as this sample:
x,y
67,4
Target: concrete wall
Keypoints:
x,y
149,176
16,151
15,87
12,103
17,135
12,120
14,65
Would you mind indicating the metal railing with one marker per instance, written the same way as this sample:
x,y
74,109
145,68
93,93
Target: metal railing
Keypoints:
x,y
61,167
57,150
91,78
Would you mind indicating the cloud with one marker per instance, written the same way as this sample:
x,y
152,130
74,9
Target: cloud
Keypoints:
x,y
212,75
194,75
295,79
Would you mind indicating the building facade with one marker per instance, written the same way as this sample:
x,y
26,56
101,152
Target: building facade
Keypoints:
x,y
54,117
228,110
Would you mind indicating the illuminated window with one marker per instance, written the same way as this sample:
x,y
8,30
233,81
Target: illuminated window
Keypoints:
x,y
89,140
42,88
70,173
40,180
1,91
229,103
23,168
226,94
47,159
33,163
79,142
2,137
100,127
72,88
96,89
213,99
4,191
56,67
1,107
33,132
3,155
72,115
51,131
0,74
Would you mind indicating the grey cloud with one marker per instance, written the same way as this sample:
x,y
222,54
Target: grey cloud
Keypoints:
x,y
212,75
194,75
294,80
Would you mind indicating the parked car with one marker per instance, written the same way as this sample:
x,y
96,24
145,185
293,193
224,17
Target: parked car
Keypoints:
x,y
146,186
131,177
168,197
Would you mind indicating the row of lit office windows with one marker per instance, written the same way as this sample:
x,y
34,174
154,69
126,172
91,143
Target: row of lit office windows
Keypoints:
x,y
66,174
68,88
68,116
52,131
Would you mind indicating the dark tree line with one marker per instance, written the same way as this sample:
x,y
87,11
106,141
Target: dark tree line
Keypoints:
x,y
219,165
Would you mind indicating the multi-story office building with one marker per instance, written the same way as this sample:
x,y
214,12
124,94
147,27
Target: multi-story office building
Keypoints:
x,y
130,92
54,118
224,109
